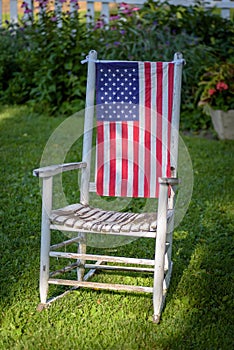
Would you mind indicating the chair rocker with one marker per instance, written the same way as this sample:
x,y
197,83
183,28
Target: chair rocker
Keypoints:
x,y
137,109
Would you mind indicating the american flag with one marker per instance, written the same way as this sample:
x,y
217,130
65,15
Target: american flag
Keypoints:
x,y
134,110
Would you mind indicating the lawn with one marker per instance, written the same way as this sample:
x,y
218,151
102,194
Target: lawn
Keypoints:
x,y
199,308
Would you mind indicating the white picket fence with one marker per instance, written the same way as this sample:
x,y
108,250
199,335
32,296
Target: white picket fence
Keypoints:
x,y
13,7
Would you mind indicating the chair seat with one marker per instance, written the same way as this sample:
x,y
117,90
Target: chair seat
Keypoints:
x,y
78,217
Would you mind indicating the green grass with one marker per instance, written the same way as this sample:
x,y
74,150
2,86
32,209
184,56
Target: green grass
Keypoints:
x,y
199,308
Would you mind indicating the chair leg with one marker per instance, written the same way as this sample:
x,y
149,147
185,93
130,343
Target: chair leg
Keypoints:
x,y
80,262
160,249
158,298
45,240
44,263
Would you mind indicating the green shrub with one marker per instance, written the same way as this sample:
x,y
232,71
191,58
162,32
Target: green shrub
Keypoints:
x,y
41,60
11,44
49,74
137,35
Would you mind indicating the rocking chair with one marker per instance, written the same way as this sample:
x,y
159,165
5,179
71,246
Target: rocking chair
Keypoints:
x,y
137,108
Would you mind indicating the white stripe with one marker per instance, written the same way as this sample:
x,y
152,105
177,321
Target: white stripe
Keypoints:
x,y
118,155
175,116
164,119
141,160
106,157
153,178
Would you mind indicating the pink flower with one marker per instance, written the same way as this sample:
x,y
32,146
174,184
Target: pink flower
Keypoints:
x,y
212,92
99,24
127,9
27,11
221,86
114,17
24,4
124,4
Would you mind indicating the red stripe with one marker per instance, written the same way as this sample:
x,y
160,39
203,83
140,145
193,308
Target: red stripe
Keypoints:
x,y
147,129
112,165
101,138
159,96
124,159
135,158
170,106
100,158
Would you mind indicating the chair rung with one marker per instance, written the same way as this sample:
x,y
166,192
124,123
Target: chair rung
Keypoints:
x,y
65,243
64,269
145,234
95,285
119,268
103,258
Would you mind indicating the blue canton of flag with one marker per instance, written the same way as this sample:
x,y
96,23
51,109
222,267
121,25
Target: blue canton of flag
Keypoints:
x,y
118,91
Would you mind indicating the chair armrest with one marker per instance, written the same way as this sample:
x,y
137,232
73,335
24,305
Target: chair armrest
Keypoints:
x,y
169,181
52,170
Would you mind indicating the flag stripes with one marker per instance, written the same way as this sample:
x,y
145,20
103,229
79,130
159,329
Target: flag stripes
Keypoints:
x,y
132,153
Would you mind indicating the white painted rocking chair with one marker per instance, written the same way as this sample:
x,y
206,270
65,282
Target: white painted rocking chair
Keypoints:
x,y
137,111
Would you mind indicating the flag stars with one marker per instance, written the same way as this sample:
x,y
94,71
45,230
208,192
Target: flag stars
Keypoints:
x,y
118,89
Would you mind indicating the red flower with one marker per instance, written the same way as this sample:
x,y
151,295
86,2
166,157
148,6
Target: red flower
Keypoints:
x,y
212,92
221,86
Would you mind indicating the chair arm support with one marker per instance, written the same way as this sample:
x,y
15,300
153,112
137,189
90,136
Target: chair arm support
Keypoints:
x,y
53,170
169,181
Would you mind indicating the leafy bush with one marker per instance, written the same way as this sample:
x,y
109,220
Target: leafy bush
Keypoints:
x,y
48,73
44,55
158,30
11,44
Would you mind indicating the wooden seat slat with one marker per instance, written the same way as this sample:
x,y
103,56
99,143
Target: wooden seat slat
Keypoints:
x,y
94,219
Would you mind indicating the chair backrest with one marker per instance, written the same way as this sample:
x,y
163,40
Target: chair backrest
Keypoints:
x,y
137,110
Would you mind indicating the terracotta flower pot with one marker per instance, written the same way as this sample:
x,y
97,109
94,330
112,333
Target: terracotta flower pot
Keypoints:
x,y
223,123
